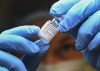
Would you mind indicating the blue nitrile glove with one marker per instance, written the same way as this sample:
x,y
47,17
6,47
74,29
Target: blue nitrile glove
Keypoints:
x,y
81,19
3,69
32,62
18,39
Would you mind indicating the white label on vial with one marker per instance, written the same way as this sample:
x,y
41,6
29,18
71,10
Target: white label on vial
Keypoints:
x,y
48,31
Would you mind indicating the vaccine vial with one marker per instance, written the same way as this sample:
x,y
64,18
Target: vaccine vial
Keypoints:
x,y
49,30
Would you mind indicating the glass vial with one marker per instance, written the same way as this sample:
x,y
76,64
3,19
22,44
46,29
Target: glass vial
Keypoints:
x,y
49,30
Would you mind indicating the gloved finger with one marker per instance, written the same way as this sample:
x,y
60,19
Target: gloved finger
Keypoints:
x,y
93,58
3,69
95,43
11,62
87,31
41,43
61,7
19,44
26,31
32,63
77,13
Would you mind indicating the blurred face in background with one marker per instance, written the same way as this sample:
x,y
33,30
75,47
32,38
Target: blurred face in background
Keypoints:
x,y
62,55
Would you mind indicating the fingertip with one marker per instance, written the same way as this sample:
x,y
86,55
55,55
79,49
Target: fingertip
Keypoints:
x,y
91,47
61,7
77,47
42,42
94,44
35,49
34,29
63,26
43,46
55,9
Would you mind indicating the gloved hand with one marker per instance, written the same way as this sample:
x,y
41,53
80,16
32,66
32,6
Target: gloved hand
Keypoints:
x,y
19,39
32,62
3,69
81,19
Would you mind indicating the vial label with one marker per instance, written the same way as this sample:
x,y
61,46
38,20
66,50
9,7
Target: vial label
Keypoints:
x,y
48,31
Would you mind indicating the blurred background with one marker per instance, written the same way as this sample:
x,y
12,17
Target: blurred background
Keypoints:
x,y
62,55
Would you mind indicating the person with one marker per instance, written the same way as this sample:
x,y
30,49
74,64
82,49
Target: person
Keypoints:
x,y
19,40
76,19
62,55
80,19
